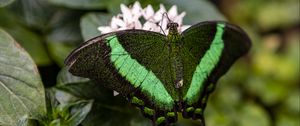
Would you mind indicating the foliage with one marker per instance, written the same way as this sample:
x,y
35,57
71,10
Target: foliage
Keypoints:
x,y
261,89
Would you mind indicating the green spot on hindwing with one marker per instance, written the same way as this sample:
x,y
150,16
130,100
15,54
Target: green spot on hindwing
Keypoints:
x,y
160,120
198,111
137,101
206,66
171,114
190,109
148,111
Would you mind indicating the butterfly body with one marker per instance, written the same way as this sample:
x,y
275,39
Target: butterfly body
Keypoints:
x,y
162,74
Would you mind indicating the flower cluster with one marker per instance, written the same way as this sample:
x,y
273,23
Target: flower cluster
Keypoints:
x,y
131,18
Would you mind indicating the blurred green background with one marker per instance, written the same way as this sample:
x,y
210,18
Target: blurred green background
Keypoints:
x,y
261,89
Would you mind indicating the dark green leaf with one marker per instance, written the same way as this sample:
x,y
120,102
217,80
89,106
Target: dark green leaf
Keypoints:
x,y
65,109
26,121
114,5
79,111
90,22
55,123
5,2
78,86
271,15
252,115
65,77
71,109
51,103
105,104
59,51
21,88
64,35
114,115
65,27
33,13
31,41
196,10
80,4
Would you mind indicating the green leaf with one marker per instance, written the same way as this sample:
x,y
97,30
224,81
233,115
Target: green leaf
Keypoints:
x,y
90,22
82,87
80,4
79,111
51,103
196,10
253,115
33,13
114,115
5,2
33,44
113,6
65,109
271,14
55,123
284,119
72,110
64,35
21,89
65,77
59,51
23,121
31,41
65,27
107,109
26,121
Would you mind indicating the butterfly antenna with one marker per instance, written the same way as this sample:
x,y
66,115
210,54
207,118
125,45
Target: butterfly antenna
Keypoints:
x,y
159,26
162,30
169,20
162,19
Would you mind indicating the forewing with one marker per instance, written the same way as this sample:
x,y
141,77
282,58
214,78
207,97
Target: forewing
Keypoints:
x,y
209,49
88,61
133,62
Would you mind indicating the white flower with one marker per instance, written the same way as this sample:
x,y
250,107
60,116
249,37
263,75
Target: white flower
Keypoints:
x,y
131,18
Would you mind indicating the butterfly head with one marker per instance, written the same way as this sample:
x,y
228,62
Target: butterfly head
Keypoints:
x,y
173,35
172,25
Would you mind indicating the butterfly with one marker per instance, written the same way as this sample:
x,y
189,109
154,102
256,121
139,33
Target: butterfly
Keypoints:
x,y
163,75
